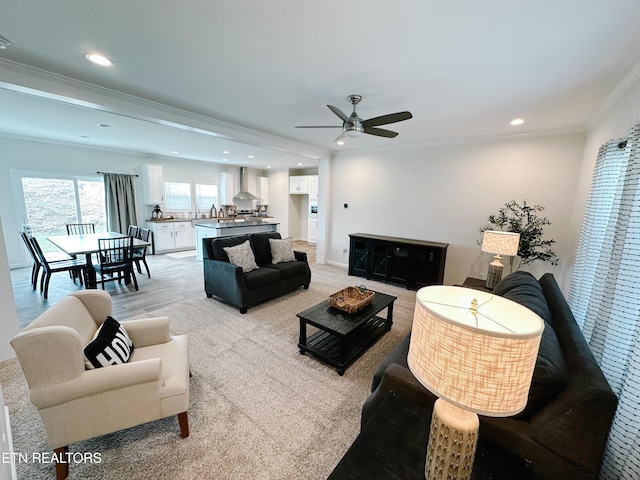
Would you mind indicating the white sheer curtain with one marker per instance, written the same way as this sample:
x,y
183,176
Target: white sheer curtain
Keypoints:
x,y
605,293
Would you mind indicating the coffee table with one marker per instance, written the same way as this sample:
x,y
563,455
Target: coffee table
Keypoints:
x,y
342,337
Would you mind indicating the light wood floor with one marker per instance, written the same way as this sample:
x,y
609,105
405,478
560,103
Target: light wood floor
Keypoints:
x,y
173,280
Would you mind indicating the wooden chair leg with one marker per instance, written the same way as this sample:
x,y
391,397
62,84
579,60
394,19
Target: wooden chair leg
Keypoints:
x,y
183,420
62,469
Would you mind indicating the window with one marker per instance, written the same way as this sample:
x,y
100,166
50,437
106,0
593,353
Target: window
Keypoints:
x,y
50,202
206,196
177,196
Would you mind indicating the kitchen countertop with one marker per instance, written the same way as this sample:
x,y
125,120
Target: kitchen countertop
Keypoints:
x,y
236,223
197,221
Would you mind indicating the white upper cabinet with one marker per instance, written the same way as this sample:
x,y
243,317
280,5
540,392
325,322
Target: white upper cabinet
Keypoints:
x,y
152,184
262,187
313,187
227,188
299,184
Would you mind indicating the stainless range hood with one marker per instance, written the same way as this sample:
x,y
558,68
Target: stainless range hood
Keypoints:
x,y
244,186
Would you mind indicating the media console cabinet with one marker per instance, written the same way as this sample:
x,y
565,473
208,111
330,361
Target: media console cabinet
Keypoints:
x,y
412,263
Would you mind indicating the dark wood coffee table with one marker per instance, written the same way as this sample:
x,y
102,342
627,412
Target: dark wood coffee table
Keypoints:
x,y
342,337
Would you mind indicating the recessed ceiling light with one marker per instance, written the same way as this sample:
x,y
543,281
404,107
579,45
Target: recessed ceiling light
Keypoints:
x,y
84,136
98,59
226,152
225,159
299,164
4,43
250,156
517,121
268,166
175,152
340,142
104,125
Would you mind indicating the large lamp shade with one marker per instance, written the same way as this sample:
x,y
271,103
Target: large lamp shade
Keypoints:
x,y
474,350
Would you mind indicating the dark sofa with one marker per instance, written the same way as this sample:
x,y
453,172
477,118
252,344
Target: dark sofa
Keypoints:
x,y
564,428
229,283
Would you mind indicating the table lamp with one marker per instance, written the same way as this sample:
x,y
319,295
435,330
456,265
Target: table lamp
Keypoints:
x,y
498,243
476,352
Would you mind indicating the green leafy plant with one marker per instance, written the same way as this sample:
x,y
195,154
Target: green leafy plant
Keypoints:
x,y
523,219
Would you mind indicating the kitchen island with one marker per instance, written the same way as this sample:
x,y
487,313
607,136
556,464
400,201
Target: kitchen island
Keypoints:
x,y
228,228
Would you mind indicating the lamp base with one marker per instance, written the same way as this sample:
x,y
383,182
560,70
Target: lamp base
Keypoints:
x,y
494,275
452,442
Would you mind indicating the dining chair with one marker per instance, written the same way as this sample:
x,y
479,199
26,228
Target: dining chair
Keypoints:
x,y
80,228
115,260
140,253
51,257
132,231
75,266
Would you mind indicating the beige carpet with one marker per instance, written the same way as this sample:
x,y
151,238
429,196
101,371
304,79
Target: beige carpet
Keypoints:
x,y
259,409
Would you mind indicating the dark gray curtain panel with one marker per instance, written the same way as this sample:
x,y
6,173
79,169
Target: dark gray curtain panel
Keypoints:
x,y
120,200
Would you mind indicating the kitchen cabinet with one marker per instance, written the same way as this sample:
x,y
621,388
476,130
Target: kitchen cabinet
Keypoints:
x,y
299,185
172,236
227,188
262,190
412,263
312,235
152,184
313,187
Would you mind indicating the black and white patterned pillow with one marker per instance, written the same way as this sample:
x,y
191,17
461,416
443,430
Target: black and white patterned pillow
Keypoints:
x,y
282,250
111,346
242,256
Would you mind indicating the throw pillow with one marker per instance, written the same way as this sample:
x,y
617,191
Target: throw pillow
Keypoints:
x,y
282,250
242,256
111,345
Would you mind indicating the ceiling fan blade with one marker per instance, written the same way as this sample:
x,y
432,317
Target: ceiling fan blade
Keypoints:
x,y
339,113
387,119
380,132
318,126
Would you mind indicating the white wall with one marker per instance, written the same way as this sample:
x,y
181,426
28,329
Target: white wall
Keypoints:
x,y
445,193
9,325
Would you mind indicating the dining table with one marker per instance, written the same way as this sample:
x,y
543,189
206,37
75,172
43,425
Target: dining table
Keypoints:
x,y
87,244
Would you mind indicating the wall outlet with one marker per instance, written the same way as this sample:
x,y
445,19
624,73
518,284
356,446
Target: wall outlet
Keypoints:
x,y
344,250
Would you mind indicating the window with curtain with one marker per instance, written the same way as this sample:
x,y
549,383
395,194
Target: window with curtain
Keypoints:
x,y
605,292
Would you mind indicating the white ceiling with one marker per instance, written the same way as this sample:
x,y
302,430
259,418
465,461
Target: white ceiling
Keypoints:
x,y
200,68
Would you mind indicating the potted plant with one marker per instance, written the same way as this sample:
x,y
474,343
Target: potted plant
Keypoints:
x,y
523,219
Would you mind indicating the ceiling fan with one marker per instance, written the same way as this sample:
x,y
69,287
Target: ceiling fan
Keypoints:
x,y
353,125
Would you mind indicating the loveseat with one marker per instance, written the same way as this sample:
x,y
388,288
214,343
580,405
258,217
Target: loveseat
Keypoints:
x,y
233,284
563,430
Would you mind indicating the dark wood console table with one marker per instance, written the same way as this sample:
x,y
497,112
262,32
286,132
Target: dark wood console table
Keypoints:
x,y
412,263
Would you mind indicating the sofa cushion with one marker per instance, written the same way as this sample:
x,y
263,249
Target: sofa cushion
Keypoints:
x,y
523,288
282,250
242,256
290,269
261,277
261,246
218,245
111,346
551,372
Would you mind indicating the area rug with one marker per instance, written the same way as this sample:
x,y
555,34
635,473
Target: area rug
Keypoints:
x,y
258,410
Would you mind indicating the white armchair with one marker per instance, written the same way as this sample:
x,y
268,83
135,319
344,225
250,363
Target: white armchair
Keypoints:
x,y
76,403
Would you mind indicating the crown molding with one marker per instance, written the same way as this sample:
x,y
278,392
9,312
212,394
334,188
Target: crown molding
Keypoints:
x,y
627,82
462,141
29,80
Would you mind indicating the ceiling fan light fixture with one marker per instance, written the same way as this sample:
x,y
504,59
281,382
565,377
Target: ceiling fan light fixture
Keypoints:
x,y
352,133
